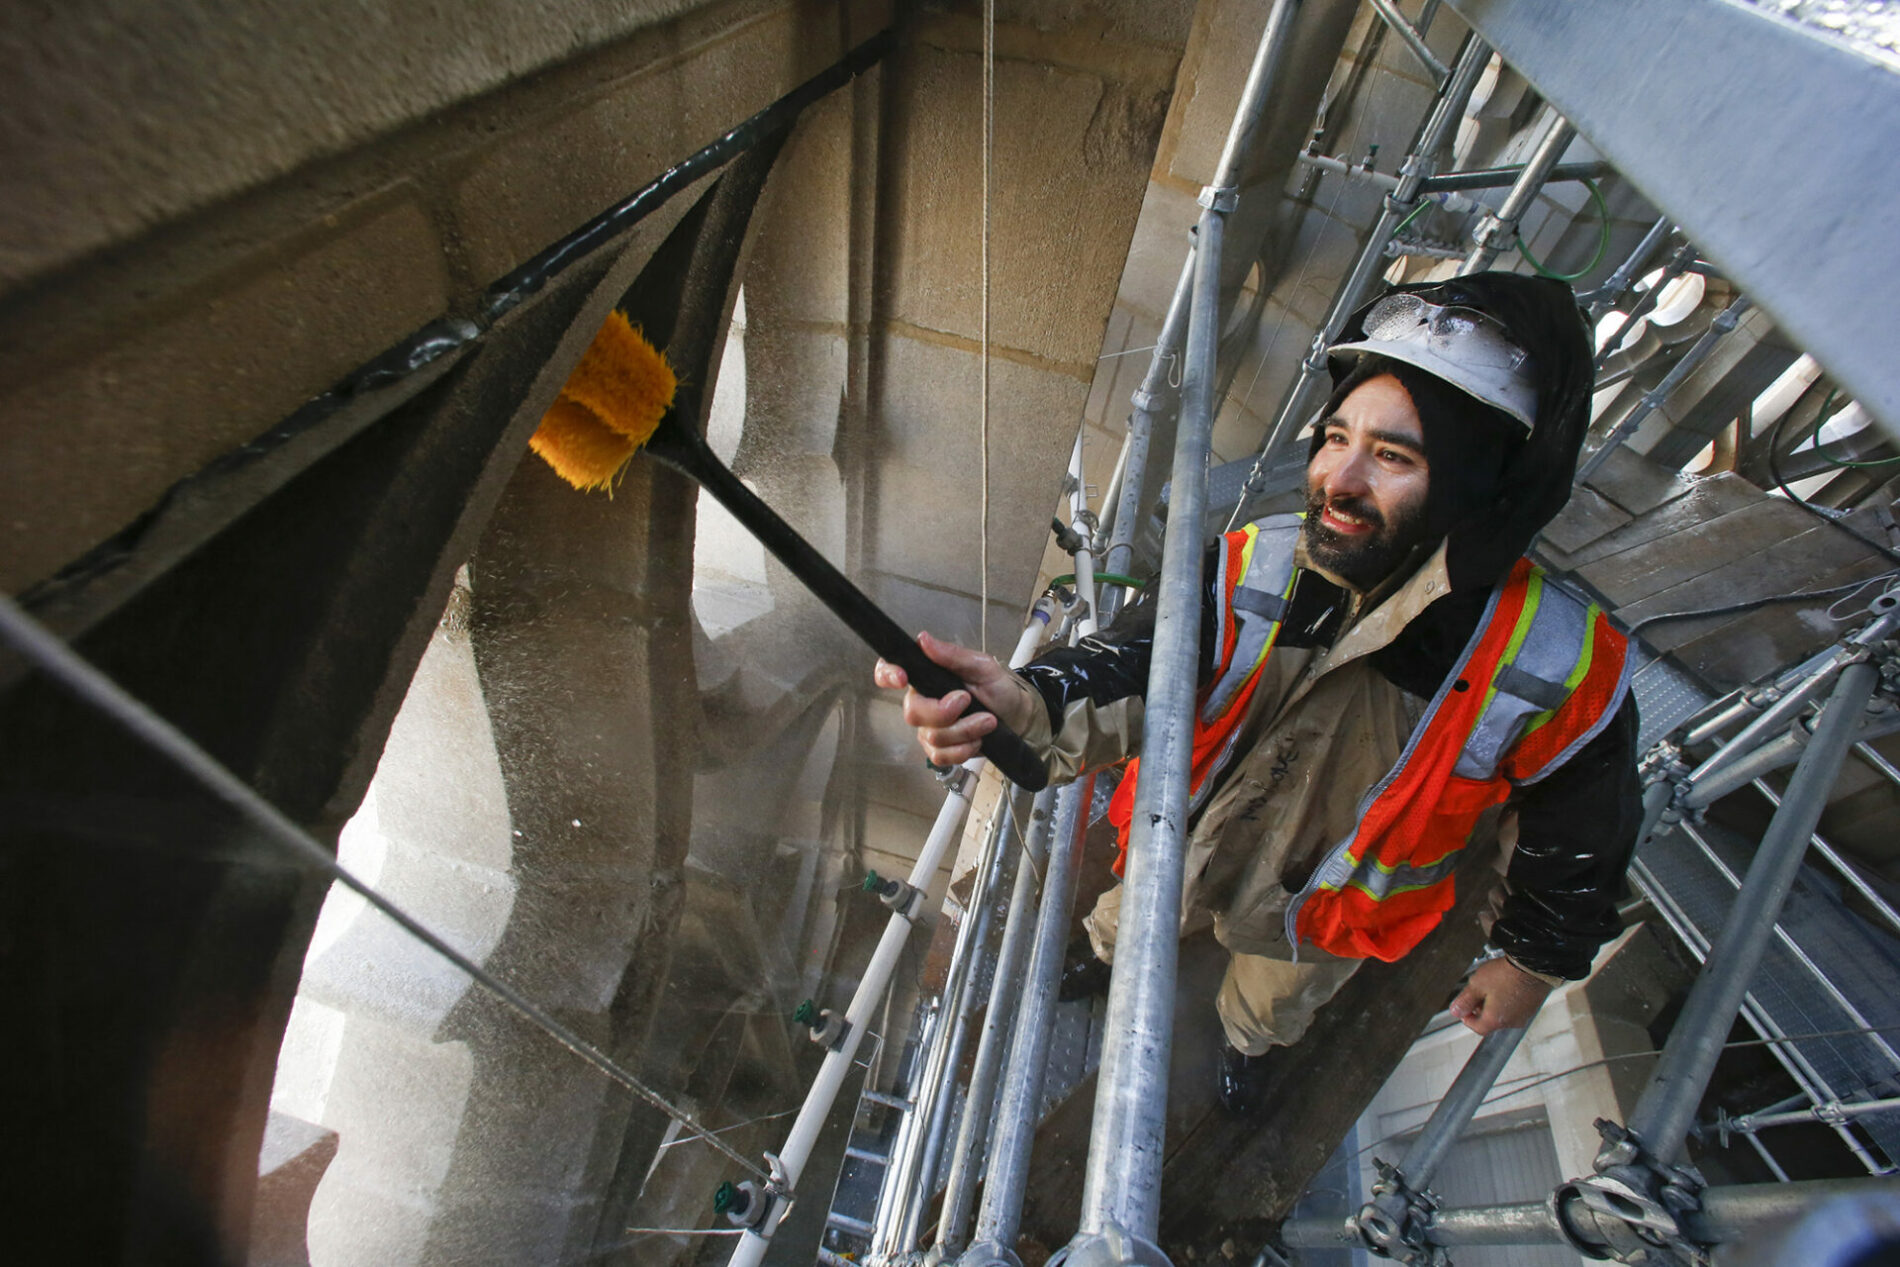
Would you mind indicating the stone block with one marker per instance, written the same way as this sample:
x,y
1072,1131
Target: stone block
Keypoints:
x,y
1072,155
544,180
794,392
378,1199
294,1158
1123,20
926,495
116,126
438,786
800,266
95,438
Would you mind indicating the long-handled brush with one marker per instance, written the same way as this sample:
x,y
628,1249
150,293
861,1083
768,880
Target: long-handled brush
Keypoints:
x,y
618,402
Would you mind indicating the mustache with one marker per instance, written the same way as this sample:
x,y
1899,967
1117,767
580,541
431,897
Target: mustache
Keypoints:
x,y
1357,507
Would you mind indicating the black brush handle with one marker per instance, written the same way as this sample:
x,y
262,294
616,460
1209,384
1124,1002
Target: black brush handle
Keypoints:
x,y
686,453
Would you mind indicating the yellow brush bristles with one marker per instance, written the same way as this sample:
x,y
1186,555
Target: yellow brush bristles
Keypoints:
x,y
608,408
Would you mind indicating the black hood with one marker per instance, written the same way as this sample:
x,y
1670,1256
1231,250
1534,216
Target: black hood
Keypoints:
x,y
1493,488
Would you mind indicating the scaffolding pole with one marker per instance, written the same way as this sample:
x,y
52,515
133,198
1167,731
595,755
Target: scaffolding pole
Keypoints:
x,y
1158,398
758,1209
1725,321
1661,1119
1728,1215
959,1193
1122,1180
1641,1193
1019,1103
1396,1222
1498,229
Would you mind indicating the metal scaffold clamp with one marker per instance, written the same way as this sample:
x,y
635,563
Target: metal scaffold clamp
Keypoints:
x,y
747,1204
1223,198
1114,1246
828,1029
900,895
1633,1209
1395,1221
954,778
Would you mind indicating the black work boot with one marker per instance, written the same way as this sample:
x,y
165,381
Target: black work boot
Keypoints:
x,y
1083,975
1241,1081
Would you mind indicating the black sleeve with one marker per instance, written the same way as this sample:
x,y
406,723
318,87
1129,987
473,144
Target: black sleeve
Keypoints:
x,y
1113,664
1576,831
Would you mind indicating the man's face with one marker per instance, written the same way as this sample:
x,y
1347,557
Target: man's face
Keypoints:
x,y
1365,488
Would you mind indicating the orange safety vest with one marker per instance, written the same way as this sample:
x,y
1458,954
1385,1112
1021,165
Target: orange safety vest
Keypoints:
x,y
1543,673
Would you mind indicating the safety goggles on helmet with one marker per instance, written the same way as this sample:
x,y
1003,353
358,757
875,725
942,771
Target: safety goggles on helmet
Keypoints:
x,y
1467,348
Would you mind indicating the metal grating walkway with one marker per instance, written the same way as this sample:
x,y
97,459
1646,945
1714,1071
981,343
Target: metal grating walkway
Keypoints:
x,y
1847,953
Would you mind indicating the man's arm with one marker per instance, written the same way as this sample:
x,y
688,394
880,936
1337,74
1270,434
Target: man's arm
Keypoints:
x,y
1576,831
1090,695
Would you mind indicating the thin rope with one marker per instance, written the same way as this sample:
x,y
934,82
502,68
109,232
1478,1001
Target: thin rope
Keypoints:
x,y
65,666
989,147
736,1126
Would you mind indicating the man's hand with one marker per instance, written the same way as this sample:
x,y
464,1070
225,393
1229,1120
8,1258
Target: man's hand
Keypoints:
x,y
945,739
1500,995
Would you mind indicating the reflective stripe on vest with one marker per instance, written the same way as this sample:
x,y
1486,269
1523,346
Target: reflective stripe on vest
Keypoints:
x,y
1256,581
1552,672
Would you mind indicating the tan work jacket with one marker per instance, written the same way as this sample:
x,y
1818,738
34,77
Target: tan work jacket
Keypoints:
x,y
1323,726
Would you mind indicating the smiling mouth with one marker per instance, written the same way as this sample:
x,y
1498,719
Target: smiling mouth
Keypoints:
x,y
1345,522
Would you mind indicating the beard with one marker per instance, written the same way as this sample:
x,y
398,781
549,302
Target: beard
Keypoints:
x,y
1362,562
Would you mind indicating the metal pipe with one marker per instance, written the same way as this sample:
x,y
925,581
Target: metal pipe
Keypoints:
x,y
1460,1104
1786,1054
910,1178
1157,397
1878,762
1499,177
1705,726
959,1194
1790,702
1678,264
959,1002
1662,1117
1728,1214
1455,182
1421,163
1388,1222
837,1062
871,987
1122,1181
1829,1113
1782,750
1725,321
1112,495
893,1188
1498,228
1617,284
1019,1104
1847,870
1080,522
1854,1015
1413,40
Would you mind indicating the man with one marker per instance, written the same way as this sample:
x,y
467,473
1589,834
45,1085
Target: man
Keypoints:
x,y
1383,682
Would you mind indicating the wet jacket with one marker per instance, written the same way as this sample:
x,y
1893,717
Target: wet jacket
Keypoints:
x,y
1347,682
